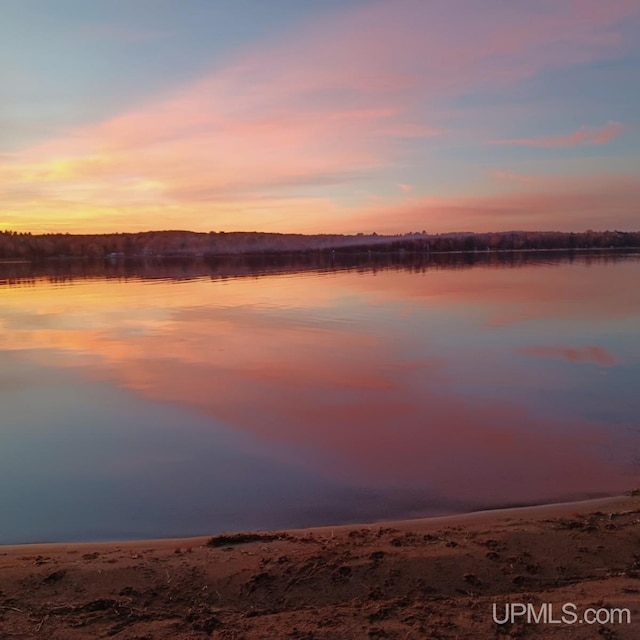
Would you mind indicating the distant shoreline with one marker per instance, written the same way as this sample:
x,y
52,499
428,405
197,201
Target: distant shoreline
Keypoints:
x,y
118,246
312,253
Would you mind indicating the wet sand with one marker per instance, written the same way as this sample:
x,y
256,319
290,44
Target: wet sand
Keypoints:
x,y
432,578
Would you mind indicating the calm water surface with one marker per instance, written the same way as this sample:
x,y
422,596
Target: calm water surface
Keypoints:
x,y
153,401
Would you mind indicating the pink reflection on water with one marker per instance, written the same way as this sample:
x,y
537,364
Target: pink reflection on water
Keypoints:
x,y
594,354
351,370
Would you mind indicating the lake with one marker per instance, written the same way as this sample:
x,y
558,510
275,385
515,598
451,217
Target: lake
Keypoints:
x,y
187,398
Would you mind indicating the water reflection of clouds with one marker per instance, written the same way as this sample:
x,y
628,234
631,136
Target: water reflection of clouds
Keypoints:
x,y
438,397
89,461
566,291
589,354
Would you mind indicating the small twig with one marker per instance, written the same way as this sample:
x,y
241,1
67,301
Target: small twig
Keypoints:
x,y
41,623
11,609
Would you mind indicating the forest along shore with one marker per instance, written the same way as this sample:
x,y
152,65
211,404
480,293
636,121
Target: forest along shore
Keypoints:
x,y
147,244
432,578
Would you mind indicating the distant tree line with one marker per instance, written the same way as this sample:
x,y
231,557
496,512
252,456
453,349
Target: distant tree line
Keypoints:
x,y
508,241
27,246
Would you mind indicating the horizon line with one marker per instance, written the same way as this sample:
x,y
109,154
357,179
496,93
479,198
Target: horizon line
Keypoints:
x,y
309,235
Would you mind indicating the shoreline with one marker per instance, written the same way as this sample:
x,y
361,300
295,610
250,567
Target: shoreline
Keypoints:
x,y
427,522
436,578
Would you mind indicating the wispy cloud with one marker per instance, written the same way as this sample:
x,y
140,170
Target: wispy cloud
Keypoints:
x,y
584,135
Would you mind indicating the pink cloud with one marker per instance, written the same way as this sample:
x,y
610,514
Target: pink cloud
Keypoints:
x,y
584,135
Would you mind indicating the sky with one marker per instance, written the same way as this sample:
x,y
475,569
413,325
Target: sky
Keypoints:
x,y
323,116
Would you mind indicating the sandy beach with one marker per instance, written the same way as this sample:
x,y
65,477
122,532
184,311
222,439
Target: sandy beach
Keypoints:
x,y
433,578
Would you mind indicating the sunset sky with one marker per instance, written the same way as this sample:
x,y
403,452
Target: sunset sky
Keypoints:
x,y
319,115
